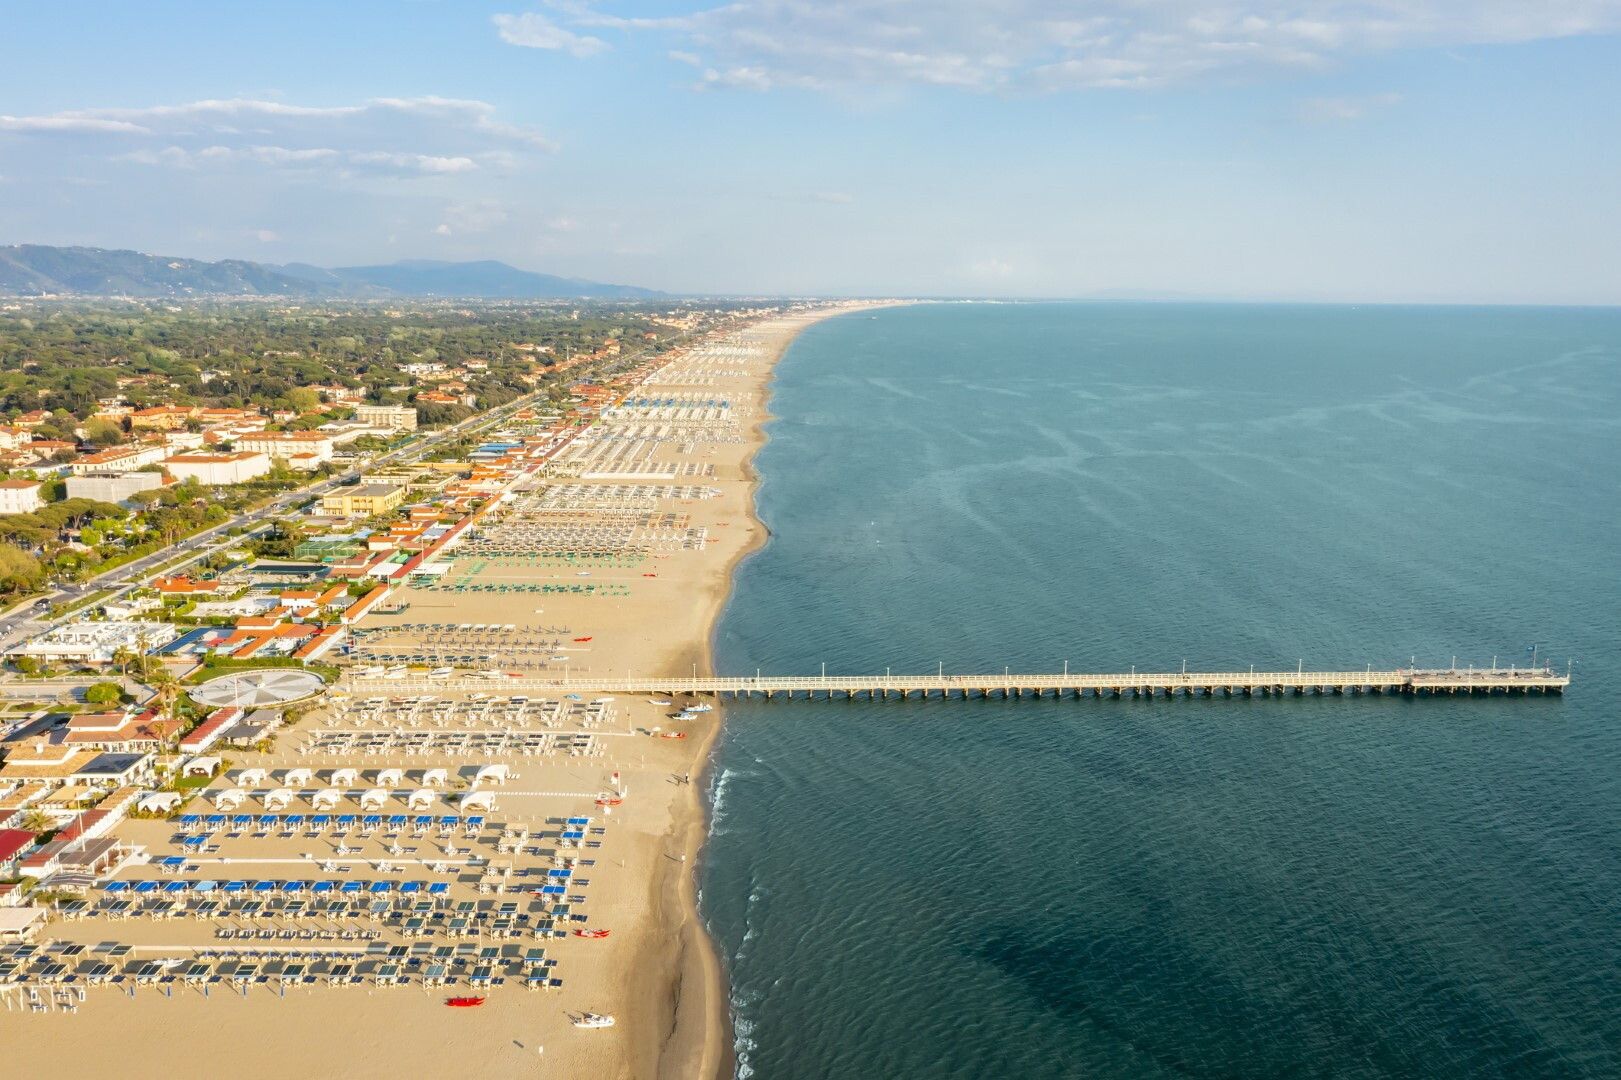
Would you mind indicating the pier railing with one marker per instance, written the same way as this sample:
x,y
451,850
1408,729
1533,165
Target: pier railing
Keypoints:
x,y
1006,684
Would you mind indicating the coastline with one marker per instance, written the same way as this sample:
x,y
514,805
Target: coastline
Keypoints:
x,y
700,1039
660,973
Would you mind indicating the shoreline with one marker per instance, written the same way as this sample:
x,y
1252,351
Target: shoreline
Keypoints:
x,y
660,973
701,1042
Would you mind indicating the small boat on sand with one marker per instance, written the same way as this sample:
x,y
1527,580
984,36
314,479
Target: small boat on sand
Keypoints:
x,y
464,1002
659,701
673,735
594,1020
595,935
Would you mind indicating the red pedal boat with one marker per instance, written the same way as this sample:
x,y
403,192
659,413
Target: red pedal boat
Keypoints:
x,y
463,1002
593,934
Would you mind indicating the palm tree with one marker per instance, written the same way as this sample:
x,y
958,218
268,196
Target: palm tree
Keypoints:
x,y
37,821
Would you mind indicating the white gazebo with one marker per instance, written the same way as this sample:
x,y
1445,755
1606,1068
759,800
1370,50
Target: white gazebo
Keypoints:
x,y
436,777
375,799
251,777
202,765
494,774
390,777
345,777
326,799
299,777
421,799
229,798
279,799
478,800
159,802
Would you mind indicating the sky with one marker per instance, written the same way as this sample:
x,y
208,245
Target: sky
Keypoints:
x,y
1346,150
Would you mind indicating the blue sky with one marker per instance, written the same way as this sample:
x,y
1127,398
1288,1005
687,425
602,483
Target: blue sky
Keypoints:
x,y
1406,150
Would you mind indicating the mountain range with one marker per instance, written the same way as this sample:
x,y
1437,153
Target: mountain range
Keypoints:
x,y
41,270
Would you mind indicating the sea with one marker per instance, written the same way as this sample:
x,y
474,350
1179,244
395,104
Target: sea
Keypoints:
x,y
1295,887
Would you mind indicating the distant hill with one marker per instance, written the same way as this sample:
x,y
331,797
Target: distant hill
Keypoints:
x,y
35,270
490,279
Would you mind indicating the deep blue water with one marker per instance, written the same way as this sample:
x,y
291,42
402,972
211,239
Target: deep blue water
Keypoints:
x,y
1308,887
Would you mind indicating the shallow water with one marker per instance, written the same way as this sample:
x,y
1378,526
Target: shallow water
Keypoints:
x,y
1313,887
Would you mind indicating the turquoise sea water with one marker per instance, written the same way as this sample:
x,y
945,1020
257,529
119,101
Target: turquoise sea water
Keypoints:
x,y
1357,887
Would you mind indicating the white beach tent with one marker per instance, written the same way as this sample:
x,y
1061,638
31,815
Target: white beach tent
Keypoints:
x,y
230,798
375,799
421,799
436,777
345,777
478,800
390,777
326,799
279,799
201,766
250,777
159,802
299,777
494,774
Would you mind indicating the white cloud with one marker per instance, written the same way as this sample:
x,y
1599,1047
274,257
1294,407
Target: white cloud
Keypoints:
x,y
415,135
991,268
387,161
72,125
1053,45
266,236
443,229
1328,109
423,163
538,32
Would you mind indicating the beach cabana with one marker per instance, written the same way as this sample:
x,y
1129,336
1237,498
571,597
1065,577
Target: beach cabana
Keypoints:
x,y
390,777
435,778
478,800
279,799
299,777
421,799
494,774
202,765
251,777
345,777
159,802
375,799
230,798
326,799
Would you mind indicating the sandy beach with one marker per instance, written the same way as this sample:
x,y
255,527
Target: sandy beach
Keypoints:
x,y
643,605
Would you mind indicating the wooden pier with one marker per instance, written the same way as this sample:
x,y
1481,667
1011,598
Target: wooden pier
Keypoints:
x,y
1412,681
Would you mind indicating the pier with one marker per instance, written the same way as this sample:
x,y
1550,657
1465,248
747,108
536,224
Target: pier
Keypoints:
x,y
1409,681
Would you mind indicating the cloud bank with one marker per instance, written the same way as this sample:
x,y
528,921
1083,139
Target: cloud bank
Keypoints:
x,y
1048,45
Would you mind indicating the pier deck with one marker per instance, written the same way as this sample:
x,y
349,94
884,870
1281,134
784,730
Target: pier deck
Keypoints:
x,y
1132,684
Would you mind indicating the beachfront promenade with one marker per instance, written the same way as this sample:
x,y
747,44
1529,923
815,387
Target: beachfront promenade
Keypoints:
x,y
1132,684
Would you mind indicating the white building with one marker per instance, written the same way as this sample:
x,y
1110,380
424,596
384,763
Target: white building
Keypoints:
x,y
112,489
288,445
119,459
392,417
215,469
98,642
19,496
